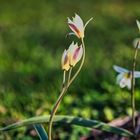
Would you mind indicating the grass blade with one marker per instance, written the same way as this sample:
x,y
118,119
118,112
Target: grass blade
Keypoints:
x,y
41,131
71,121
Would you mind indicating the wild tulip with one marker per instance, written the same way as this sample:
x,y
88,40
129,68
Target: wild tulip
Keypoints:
x,y
77,26
125,76
69,59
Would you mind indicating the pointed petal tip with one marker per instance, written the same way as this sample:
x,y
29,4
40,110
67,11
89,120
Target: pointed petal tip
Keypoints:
x,y
137,21
72,43
69,20
88,22
91,18
120,69
76,14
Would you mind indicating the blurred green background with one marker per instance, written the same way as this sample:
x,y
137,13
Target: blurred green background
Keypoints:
x,y
32,39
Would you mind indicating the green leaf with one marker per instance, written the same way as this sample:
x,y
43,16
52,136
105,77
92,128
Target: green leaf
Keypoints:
x,y
70,120
41,131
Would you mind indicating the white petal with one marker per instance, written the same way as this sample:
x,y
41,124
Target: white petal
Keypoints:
x,y
77,26
63,56
119,78
73,27
65,61
128,83
80,53
78,22
71,48
137,74
75,53
135,43
120,69
70,21
123,82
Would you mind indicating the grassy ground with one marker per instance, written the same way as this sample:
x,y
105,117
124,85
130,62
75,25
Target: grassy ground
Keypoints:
x,y
32,39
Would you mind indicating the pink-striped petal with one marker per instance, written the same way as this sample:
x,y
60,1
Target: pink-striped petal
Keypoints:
x,y
65,61
77,26
75,53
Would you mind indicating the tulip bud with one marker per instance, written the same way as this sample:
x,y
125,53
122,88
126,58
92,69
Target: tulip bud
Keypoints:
x,y
65,61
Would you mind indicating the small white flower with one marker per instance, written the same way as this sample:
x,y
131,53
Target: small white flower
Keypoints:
x,y
77,26
125,76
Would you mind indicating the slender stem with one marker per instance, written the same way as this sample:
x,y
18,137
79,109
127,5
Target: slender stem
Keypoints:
x,y
133,87
54,111
56,106
64,78
81,65
64,90
69,76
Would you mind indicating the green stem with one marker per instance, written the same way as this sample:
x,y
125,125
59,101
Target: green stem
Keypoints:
x,y
54,112
64,90
56,105
133,87
69,76
64,78
81,65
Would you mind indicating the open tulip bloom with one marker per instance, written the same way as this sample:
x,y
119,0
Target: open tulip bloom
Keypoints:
x,y
125,76
77,26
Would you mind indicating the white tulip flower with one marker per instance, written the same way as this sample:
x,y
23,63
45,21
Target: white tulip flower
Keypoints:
x,y
125,76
